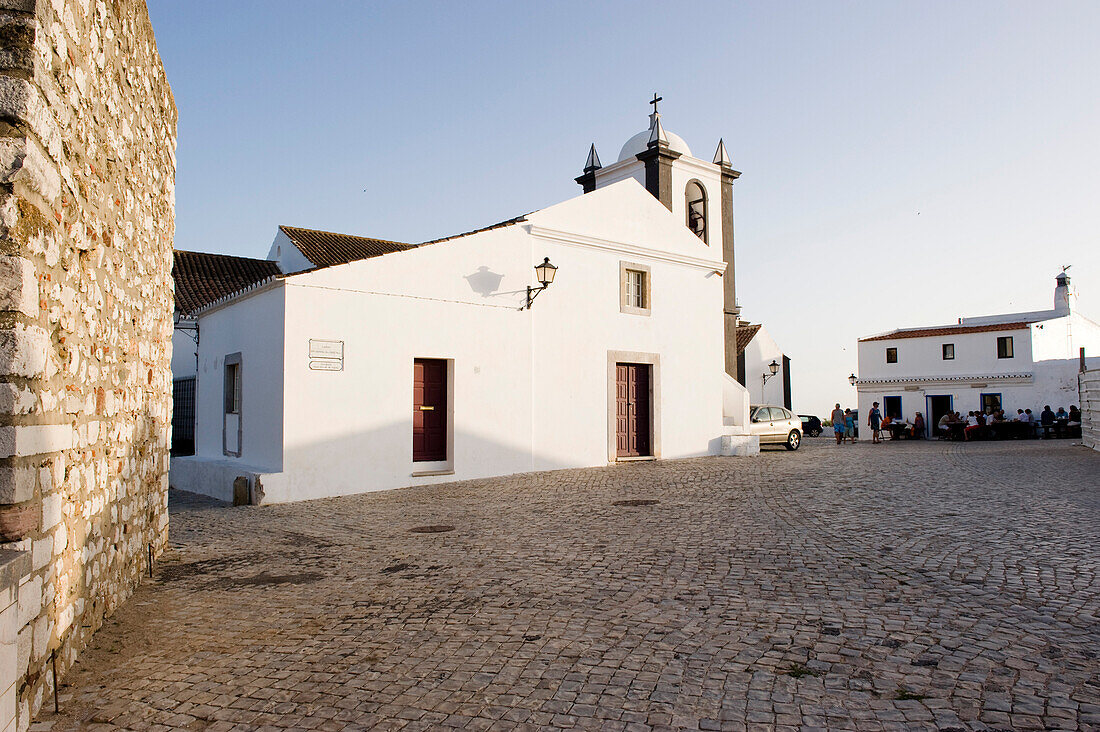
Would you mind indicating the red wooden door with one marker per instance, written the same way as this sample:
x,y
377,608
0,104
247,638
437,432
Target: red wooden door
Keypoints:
x,y
429,410
632,409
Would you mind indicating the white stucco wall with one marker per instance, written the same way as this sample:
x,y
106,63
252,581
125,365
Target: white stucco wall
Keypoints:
x,y
289,257
975,353
760,352
184,349
530,387
252,326
684,170
1062,338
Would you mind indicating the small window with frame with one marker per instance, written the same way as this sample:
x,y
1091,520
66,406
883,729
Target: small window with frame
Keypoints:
x,y
948,351
1004,347
891,355
233,388
634,288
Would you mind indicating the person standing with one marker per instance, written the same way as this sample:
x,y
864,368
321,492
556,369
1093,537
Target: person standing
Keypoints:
x,y
874,421
850,425
837,418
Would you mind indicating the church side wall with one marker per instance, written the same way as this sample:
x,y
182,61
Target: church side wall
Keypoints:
x,y
87,172
529,388
350,431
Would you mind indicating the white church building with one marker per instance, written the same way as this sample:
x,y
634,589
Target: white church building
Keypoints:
x,y
594,331
1010,361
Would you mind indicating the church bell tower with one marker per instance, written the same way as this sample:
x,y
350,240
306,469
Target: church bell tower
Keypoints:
x,y
699,192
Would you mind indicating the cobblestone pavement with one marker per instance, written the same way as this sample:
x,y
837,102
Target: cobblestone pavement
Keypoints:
x,y
896,586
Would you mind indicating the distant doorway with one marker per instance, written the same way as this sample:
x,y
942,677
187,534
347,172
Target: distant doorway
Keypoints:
x,y
632,433
937,407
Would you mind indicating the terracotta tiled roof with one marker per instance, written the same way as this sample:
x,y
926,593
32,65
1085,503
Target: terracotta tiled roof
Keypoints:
x,y
745,334
204,278
325,249
948,330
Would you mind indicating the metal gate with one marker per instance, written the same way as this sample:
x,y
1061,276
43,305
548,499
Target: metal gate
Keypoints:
x,y
183,416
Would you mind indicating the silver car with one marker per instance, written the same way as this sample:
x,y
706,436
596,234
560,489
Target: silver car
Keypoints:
x,y
775,425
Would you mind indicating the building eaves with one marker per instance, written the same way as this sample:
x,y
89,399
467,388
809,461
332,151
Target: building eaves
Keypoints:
x,y
501,225
327,249
947,330
947,379
202,278
745,334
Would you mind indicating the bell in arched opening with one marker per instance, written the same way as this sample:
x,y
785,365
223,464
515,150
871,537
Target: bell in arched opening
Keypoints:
x,y
696,199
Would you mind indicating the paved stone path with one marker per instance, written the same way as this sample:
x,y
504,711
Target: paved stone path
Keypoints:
x,y
901,586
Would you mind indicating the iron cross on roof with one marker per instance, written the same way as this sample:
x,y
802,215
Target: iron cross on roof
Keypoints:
x,y
655,100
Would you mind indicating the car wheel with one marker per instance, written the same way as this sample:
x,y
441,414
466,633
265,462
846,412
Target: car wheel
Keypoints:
x,y
793,440
815,433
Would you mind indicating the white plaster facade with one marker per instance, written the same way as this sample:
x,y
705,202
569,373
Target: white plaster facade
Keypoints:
x,y
1042,369
529,389
760,352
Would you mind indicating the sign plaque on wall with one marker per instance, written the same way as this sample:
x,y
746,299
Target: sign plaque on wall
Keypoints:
x,y
326,355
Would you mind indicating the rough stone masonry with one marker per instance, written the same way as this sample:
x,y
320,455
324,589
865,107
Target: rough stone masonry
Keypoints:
x,y
87,176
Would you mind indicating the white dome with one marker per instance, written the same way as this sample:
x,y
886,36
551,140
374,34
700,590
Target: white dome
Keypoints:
x,y
640,143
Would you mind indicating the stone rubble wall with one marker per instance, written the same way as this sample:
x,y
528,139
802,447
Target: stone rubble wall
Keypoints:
x,y
87,176
1089,385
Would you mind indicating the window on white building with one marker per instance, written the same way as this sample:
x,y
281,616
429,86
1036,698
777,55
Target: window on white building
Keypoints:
x,y
233,388
891,355
634,288
1004,347
948,351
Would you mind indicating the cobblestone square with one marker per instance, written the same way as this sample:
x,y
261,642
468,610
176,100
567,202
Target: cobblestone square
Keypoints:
x,y
869,587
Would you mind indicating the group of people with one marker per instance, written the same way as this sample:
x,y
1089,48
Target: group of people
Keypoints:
x,y
995,423
844,425
992,423
879,423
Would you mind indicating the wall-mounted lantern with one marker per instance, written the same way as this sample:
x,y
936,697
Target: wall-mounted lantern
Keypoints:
x,y
545,274
774,368
852,379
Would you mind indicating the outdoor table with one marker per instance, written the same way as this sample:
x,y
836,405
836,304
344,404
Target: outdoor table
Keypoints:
x,y
955,430
898,429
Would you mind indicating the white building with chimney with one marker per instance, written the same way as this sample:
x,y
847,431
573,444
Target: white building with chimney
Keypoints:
x,y
1011,361
597,330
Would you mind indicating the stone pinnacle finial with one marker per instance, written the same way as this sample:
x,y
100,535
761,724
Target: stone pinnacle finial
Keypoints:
x,y
593,162
720,155
657,133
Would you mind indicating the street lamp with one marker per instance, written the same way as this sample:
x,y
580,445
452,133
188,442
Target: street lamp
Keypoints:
x,y
852,379
545,274
774,368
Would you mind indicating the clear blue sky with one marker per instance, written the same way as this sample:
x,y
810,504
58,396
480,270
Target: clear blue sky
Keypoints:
x,y
928,160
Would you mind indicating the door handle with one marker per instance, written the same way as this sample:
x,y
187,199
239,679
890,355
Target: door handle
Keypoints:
x,y
427,409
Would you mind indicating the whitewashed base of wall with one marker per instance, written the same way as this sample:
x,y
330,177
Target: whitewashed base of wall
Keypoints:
x,y
740,445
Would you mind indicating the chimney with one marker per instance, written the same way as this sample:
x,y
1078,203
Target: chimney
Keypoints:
x,y
1064,295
